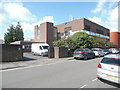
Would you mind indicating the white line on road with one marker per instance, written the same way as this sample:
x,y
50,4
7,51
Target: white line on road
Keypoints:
x,y
83,86
94,79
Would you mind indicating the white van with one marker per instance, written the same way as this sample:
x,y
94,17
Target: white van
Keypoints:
x,y
40,49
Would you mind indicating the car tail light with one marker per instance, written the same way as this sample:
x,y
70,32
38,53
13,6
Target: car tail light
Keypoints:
x,y
99,65
81,52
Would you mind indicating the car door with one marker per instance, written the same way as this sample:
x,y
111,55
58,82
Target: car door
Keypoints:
x,y
88,53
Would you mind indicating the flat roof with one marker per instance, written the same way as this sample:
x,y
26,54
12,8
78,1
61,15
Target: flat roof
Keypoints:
x,y
84,19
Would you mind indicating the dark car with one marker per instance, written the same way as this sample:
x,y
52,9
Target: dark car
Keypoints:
x,y
83,53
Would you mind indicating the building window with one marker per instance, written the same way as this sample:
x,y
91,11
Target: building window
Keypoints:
x,y
38,32
67,33
99,31
87,27
68,28
108,34
27,46
60,34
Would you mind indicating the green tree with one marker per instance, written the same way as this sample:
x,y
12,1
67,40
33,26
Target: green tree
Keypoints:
x,y
82,40
110,45
60,43
78,40
15,33
99,42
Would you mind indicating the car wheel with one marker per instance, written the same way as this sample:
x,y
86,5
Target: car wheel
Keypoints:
x,y
85,57
75,58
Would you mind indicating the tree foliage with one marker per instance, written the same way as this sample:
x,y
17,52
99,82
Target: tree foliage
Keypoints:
x,y
15,33
78,40
100,42
83,40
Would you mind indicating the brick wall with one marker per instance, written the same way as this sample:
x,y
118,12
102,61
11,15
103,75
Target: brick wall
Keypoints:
x,y
11,52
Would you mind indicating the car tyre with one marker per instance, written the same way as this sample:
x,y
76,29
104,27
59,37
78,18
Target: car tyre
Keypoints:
x,y
75,58
33,53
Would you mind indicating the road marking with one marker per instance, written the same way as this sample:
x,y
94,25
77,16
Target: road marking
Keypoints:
x,y
83,86
32,66
94,79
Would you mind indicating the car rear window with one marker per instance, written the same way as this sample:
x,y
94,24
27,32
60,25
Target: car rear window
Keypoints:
x,y
79,50
94,50
111,61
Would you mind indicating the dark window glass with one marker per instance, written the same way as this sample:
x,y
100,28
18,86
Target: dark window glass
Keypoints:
x,y
99,31
40,48
45,47
79,50
111,61
108,34
87,27
67,33
67,28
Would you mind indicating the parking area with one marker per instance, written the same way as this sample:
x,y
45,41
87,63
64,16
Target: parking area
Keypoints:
x,y
58,71
31,60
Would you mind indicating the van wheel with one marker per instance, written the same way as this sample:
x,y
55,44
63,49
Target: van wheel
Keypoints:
x,y
33,53
42,55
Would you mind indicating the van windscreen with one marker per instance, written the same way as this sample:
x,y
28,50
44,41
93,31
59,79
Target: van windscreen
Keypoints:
x,y
45,47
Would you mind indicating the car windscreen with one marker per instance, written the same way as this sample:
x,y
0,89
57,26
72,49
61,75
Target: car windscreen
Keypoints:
x,y
45,47
112,61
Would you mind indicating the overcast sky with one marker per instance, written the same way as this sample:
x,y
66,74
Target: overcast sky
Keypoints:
x,y
30,14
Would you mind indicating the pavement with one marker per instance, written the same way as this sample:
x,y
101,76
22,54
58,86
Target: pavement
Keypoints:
x,y
30,60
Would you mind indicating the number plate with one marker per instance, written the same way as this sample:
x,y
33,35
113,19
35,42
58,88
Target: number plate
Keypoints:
x,y
113,77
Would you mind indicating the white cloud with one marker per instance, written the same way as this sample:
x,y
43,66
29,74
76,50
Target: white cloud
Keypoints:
x,y
46,19
11,13
98,20
111,21
14,11
99,6
108,16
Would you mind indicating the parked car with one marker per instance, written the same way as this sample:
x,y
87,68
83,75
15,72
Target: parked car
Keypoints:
x,y
106,51
83,53
118,50
114,50
40,49
108,68
98,51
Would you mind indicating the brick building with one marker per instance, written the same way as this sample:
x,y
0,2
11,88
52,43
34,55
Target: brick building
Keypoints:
x,y
47,32
115,38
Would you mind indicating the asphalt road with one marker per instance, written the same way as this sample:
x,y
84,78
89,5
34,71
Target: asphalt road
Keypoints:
x,y
70,74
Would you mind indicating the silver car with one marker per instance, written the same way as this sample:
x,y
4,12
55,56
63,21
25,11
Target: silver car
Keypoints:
x,y
109,68
98,51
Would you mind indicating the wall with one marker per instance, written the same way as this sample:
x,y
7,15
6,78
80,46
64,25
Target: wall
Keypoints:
x,y
58,52
11,52
77,24
115,38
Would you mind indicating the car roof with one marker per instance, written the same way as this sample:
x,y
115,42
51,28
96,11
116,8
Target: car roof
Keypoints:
x,y
113,56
